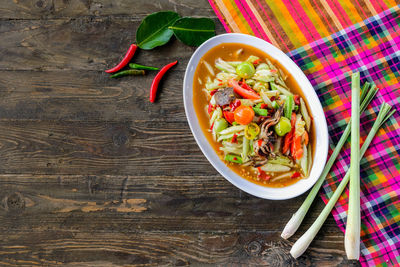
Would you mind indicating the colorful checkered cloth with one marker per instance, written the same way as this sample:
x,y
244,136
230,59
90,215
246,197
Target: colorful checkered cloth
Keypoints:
x,y
329,40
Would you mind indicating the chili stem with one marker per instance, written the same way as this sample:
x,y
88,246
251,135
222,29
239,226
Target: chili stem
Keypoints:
x,y
141,67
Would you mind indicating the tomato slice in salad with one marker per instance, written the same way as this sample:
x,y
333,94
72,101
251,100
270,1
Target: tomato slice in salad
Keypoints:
x,y
245,93
229,116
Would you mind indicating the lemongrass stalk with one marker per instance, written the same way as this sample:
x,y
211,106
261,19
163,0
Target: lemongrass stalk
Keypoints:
x,y
353,225
293,224
304,241
363,91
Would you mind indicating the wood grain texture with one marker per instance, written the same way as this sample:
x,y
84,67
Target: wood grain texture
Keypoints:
x,y
89,96
82,43
101,147
92,174
51,9
156,220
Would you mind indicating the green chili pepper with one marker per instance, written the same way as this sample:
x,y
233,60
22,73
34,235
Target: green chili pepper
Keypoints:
x,y
127,73
141,67
260,111
251,131
234,158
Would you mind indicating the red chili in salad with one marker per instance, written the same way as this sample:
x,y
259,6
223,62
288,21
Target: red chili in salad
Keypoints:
x,y
234,139
295,175
128,56
235,104
296,99
229,116
213,92
263,175
210,108
157,79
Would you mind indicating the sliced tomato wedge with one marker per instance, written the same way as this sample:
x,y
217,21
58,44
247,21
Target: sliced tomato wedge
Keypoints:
x,y
229,116
249,94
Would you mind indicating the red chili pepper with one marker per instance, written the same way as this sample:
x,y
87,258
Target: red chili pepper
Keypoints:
x,y
256,62
157,79
263,106
235,104
229,116
296,99
262,175
210,108
212,126
213,92
234,138
260,142
295,175
128,56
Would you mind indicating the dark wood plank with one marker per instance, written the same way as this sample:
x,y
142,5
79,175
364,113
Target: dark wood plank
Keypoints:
x,y
84,43
51,9
131,147
89,96
167,203
98,220
159,249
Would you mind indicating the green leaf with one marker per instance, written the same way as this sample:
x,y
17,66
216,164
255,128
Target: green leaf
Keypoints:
x,y
154,31
193,31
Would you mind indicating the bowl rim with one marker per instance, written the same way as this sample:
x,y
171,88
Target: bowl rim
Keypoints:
x,y
315,107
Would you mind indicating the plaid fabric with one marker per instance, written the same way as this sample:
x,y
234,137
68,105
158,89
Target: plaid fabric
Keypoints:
x,y
371,47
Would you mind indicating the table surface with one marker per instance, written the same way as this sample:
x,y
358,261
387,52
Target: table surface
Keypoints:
x,y
92,174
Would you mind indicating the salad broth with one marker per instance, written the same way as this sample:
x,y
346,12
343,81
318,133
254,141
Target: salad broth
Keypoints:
x,y
227,51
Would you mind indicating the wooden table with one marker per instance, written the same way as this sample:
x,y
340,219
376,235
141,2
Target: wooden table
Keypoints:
x,y
92,174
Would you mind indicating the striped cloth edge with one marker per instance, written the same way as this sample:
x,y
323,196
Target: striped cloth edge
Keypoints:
x,y
367,42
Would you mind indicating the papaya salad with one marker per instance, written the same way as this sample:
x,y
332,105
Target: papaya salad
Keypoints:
x,y
261,126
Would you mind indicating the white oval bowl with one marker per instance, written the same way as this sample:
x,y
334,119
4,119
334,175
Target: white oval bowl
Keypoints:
x,y
321,149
